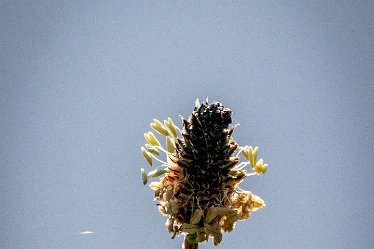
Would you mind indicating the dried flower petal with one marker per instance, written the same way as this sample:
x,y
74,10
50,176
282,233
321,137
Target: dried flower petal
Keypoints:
x,y
190,228
256,203
196,216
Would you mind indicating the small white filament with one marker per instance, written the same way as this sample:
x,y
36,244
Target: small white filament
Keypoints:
x,y
86,232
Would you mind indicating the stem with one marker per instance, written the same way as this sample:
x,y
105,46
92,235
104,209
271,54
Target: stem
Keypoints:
x,y
187,244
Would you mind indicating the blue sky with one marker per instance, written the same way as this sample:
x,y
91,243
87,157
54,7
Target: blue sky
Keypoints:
x,y
81,81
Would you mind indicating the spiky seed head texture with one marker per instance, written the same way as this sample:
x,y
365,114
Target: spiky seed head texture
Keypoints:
x,y
199,192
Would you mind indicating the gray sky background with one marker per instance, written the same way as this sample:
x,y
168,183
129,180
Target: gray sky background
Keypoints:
x,y
80,83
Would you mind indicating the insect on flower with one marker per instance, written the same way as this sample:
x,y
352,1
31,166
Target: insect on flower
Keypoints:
x,y
198,188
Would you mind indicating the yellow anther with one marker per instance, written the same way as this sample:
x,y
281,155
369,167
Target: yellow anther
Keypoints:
x,y
245,152
156,173
150,137
264,168
171,127
152,149
144,176
159,127
170,144
258,166
154,185
254,156
146,156
250,157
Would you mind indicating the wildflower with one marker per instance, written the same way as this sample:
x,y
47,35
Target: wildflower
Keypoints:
x,y
199,186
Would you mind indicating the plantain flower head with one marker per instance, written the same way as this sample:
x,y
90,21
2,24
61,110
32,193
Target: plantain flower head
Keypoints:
x,y
198,187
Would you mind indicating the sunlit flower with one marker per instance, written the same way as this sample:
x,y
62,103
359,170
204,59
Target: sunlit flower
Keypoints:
x,y
199,186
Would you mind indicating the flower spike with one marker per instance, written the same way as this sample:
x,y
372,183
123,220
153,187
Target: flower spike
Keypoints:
x,y
198,189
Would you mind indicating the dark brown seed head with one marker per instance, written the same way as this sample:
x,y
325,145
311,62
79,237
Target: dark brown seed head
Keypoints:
x,y
199,191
